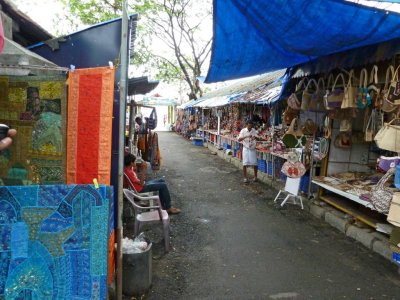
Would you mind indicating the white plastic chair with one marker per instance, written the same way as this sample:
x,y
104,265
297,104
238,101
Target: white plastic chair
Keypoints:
x,y
144,216
292,188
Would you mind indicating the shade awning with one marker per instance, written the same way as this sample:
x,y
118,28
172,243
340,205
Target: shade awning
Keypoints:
x,y
141,85
254,37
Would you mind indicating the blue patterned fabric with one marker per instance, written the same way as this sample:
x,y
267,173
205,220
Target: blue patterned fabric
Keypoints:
x,y
54,241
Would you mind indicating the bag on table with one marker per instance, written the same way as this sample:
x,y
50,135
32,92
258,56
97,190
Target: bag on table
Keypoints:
x,y
390,90
363,97
381,197
386,163
388,137
334,97
349,93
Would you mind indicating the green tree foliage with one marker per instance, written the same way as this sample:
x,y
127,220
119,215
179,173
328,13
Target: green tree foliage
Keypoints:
x,y
176,25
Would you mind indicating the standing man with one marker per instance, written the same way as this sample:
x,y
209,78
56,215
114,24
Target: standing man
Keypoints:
x,y
248,137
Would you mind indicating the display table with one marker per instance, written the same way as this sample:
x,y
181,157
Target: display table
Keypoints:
x,y
358,208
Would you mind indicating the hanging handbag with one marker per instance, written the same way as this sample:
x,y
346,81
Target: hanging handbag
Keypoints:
x,y
310,128
388,90
327,127
374,90
363,96
317,98
321,148
334,98
371,127
388,137
394,88
343,140
152,120
381,197
308,95
394,210
294,100
346,125
349,94
290,139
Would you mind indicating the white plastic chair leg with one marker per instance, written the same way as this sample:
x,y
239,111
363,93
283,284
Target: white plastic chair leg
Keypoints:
x,y
277,196
166,230
286,199
301,202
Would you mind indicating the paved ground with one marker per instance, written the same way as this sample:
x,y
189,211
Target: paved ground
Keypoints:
x,y
231,242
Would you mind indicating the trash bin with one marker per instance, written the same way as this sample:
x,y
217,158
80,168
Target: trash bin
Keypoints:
x,y
137,272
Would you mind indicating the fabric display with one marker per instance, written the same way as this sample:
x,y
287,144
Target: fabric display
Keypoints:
x,y
155,157
55,241
363,95
89,137
36,107
388,137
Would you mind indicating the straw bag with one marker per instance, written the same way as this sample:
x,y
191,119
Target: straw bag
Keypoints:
x,y
388,137
334,98
346,125
381,197
290,139
310,127
394,210
374,90
349,94
294,100
308,95
363,96
389,90
370,129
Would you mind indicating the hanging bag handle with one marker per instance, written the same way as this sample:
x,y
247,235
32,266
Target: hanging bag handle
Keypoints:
x,y
301,84
351,77
363,79
336,81
310,82
390,70
373,76
321,80
330,82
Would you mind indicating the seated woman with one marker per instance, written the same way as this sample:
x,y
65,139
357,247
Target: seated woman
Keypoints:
x,y
155,185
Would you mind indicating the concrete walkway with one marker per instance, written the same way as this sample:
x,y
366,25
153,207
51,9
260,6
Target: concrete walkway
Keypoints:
x,y
232,242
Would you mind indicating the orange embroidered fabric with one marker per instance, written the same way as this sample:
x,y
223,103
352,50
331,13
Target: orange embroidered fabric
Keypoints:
x,y
89,133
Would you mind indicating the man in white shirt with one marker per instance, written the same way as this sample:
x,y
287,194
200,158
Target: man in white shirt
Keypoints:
x,y
248,137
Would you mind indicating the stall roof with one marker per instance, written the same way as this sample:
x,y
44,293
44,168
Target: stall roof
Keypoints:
x,y
254,37
141,85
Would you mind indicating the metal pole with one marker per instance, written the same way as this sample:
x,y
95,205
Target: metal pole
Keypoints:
x,y
122,110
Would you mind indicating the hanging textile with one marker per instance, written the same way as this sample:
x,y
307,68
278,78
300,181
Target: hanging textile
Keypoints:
x,y
89,135
155,157
54,240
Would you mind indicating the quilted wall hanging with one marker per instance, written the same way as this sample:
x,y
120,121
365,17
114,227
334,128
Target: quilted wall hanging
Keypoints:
x,y
36,107
89,134
54,241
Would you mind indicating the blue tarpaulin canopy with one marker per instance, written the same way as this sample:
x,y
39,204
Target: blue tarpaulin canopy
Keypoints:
x,y
254,37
